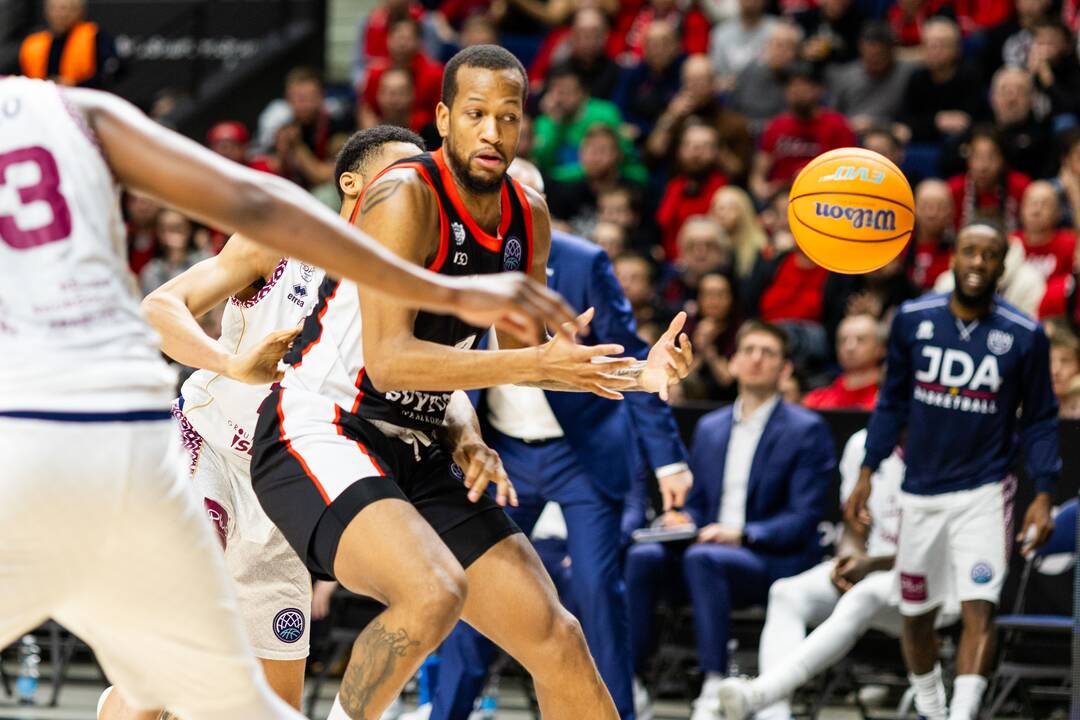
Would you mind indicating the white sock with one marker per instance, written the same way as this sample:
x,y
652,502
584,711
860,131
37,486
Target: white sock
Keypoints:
x,y
930,694
337,712
967,697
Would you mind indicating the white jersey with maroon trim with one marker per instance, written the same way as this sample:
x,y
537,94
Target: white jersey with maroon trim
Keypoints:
x,y
72,336
225,411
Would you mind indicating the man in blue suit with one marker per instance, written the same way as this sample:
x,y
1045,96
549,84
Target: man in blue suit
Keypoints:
x,y
762,469
580,451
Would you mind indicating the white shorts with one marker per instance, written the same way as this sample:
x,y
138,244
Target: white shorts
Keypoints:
x,y
272,585
954,544
100,531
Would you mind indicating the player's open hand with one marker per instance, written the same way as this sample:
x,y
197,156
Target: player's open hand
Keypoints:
x,y
1037,525
516,304
565,365
261,364
483,466
668,363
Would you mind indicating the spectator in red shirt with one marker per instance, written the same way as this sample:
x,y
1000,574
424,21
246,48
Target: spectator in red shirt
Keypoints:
x,y
860,349
796,137
405,53
788,289
141,214
373,40
690,191
230,139
930,250
692,25
907,18
1048,248
989,192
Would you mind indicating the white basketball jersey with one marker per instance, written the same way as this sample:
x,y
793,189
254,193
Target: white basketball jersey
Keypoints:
x,y
225,411
72,336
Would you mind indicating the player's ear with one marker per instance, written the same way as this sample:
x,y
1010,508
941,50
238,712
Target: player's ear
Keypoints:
x,y
442,119
351,184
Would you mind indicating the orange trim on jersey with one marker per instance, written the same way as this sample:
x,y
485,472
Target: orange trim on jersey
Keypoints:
x,y
291,451
359,390
444,230
360,445
483,237
526,209
318,319
78,60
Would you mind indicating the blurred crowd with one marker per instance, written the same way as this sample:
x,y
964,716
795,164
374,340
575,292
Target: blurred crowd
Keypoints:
x,y
669,131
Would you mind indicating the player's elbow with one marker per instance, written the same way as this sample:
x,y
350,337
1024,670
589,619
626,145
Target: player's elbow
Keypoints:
x,y
380,370
155,306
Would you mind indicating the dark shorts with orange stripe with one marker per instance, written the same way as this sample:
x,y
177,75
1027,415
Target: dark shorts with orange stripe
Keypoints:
x,y
314,467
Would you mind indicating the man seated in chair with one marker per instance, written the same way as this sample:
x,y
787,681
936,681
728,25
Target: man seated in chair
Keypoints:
x,y
762,471
845,596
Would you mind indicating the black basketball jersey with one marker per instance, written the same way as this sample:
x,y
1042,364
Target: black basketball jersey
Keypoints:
x,y
464,249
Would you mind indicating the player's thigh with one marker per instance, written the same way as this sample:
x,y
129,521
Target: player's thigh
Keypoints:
x,y
160,612
874,603
978,536
810,594
273,589
923,555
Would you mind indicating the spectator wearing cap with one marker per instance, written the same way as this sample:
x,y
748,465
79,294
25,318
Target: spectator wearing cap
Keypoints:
x,y
797,136
1055,68
405,53
1047,247
696,103
584,47
602,167
989,191
647,87
230,139
759,89
930,249
71,50
735,43
869,91
689,191
832,31
944,97
860,351
567,113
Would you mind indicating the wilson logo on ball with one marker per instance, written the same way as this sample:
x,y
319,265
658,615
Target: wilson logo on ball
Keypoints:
x,y
859,218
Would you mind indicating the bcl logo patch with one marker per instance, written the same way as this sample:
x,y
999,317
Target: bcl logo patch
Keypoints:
x,y
289,625
457,471
512,253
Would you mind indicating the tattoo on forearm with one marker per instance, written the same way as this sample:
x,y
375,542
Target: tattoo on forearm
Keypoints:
x,y
379,194
631,371
374,659
166,715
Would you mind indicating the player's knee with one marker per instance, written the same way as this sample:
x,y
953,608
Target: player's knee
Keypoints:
x,y
440,597
783,592
565,635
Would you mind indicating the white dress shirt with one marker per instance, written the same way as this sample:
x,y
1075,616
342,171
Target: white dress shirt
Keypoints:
x,y
522,413
742,445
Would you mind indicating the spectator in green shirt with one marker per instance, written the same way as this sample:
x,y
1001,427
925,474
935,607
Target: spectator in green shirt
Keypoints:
x,y
567,114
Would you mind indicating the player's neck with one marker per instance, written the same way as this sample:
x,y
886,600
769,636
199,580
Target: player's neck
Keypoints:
x,y
966,312
348,204
485,208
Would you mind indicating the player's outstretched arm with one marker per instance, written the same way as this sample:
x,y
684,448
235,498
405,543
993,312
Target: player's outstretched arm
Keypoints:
x,y
400,212
151,159
174,307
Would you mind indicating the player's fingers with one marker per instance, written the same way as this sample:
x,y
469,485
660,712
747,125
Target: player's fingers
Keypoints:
x,y
558,313
686,348
598,389
478,487
675,327
608,349
473,471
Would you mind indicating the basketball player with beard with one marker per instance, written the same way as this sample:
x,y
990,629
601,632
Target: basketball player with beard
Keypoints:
x,y
968,377
349,459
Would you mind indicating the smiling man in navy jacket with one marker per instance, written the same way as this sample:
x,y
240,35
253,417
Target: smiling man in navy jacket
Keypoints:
x,y
581,451
762,470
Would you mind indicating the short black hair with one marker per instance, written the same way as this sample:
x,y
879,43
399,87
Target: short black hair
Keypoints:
x,y
363,144
802,69
561,70
488,57
751,327
878,31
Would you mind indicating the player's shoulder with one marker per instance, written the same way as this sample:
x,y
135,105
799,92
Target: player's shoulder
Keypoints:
x,y
1015,318
407,182
924,304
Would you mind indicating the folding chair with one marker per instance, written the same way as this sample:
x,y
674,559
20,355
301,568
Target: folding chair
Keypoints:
x,y
1051,633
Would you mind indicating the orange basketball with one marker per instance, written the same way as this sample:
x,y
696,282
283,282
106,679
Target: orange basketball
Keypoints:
x,y
851,210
